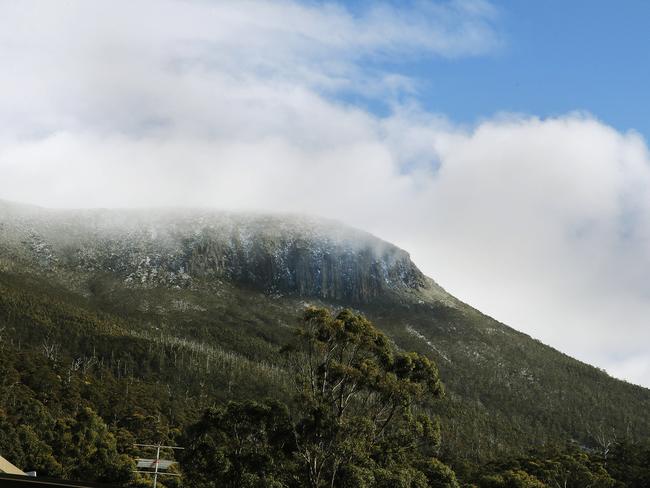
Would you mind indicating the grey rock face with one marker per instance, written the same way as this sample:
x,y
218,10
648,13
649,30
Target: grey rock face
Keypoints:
x,y
314,265
284,254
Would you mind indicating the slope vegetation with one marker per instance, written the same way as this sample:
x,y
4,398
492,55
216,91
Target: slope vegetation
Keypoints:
x,y
170,311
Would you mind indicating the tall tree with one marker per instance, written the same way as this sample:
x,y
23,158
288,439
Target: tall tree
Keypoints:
x,y
359,418
357,399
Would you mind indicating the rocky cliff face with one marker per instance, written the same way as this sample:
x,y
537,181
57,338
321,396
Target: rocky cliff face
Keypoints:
x,y
310,265
276,254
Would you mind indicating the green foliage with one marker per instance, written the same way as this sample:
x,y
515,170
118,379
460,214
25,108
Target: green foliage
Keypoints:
x,y
438,474
569,467
353,422
88,450
356,398
629,463
512,478
23,446
66,405
246,444
83,379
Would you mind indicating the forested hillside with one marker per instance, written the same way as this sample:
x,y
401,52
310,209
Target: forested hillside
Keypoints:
x,y
115,333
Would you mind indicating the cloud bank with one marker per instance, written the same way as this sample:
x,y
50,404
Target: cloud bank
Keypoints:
x,y
544,224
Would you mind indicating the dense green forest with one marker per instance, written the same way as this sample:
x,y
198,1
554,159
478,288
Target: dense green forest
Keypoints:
x,y
81,383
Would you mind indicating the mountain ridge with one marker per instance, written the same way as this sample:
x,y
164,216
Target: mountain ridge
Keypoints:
x,y
280,253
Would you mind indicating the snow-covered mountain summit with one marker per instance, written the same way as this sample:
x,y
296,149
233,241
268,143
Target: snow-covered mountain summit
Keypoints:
x,y
183,247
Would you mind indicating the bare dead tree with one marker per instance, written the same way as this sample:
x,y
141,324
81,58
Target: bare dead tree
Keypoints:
x,y
88,362
604,438
51,349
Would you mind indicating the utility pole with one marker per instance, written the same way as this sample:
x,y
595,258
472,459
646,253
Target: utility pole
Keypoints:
x,y
159,466
155,476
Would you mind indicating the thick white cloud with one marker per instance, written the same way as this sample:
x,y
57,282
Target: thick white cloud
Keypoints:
x,y
544,224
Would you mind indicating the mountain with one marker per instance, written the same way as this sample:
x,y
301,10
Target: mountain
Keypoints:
x,y
173,309
275,254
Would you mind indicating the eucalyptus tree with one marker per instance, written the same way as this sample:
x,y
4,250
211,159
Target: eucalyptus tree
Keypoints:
x,y
359,418
359,402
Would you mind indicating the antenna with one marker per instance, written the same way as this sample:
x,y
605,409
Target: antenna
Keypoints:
x,y
155,466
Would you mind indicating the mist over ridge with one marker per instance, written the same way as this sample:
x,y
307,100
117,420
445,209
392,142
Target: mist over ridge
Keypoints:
x,y
169,247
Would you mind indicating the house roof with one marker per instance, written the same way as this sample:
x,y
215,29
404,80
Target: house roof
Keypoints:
x,y
7,467
16,481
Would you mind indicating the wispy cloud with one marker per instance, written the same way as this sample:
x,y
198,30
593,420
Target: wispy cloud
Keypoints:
x,y
544,224
138,66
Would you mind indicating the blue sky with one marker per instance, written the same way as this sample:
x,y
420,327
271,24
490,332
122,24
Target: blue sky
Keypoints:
x,y
556,57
